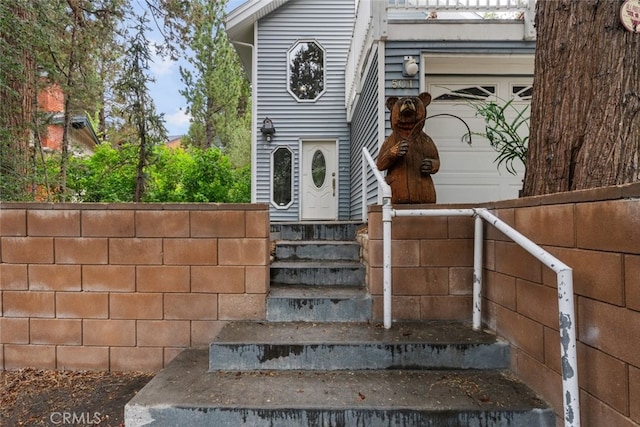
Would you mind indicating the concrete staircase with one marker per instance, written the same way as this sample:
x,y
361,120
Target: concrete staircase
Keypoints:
x,y
318,361
316,274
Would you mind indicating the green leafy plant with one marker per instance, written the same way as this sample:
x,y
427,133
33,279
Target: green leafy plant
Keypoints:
x,y
509,137
175,176
109,175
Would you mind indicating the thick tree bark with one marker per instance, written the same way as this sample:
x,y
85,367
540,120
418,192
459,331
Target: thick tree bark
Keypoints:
x,y
585,126
17,100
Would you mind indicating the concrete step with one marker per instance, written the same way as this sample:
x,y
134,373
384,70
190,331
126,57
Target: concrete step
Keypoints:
x,y
318,304
186,394
304,250
246,346
339,230
340,273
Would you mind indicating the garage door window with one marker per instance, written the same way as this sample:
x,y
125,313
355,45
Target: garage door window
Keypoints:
x,y
521,93
470,93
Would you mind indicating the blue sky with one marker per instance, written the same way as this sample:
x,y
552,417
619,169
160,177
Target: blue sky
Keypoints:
x,y
165,90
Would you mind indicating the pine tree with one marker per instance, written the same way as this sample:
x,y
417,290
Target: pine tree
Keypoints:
x,y
216,89
76,29
136,104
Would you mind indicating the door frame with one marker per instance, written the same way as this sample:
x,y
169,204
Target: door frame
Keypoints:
x,y
336,158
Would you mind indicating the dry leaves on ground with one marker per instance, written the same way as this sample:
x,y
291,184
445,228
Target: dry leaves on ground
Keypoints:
x,y
35,397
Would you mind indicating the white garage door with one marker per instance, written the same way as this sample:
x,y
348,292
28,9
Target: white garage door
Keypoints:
x,y
469,174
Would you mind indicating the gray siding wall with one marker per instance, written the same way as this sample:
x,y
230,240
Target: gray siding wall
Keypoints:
x,y
364,133
329,22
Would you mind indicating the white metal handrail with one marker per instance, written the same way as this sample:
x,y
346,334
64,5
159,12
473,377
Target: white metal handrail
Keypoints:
x,y
564,274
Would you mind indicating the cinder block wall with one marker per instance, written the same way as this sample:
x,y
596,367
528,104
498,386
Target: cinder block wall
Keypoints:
x,y
125,286
432,262
596,232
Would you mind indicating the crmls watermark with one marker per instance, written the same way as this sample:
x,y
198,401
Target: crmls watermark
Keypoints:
x,y
71,418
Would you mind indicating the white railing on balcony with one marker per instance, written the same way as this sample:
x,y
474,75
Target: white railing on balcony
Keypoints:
x,y
564,276
467,5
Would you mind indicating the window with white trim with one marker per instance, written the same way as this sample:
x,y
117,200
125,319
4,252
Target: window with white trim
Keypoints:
x,y
306,70
282,177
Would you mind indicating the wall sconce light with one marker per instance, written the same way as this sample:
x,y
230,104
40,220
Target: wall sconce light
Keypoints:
x,y
410,67
267,128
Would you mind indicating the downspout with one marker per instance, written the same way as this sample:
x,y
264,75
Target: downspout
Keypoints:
x,y
387,290
254,110
381,100
385,197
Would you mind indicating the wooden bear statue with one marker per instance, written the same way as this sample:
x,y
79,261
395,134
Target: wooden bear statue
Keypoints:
x,y
409,155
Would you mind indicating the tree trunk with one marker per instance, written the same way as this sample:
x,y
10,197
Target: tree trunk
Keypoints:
x,y
585,128
17,97
143,136
71,82
142,162
209,128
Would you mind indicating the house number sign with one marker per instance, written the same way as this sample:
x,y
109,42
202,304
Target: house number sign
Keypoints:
x,y
404,83
630,15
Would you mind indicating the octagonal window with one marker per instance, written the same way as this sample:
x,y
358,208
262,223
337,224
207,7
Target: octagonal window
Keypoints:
x,y
306,70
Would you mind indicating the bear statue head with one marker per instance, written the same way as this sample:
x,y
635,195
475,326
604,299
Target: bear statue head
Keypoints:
x,y
407,111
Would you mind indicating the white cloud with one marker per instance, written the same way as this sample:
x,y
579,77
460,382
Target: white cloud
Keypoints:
x,y
160,66
178,121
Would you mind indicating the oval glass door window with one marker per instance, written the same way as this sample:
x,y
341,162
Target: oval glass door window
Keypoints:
x,y
318,168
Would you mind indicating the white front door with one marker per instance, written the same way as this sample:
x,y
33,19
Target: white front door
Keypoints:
x,y
319,180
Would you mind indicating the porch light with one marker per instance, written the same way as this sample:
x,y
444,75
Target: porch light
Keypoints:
x,y
267,128
410,66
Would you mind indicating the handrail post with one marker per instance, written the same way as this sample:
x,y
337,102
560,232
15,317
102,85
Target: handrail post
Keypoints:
x,y
478,244
387,216
568,350
386,260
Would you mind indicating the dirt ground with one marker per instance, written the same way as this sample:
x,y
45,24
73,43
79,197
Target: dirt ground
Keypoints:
x,y
34,397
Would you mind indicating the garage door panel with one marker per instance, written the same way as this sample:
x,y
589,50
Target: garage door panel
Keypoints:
x,y
479,157
474,190
454,193
469,162
453,129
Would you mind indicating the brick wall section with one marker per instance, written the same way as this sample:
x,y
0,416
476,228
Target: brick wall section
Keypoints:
x,y
596,232
125,287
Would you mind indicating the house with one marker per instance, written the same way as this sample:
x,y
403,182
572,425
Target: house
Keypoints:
x,y
82,136
174,141
321,71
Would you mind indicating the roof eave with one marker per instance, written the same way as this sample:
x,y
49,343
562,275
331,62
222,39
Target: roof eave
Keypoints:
x,y
239,22
78,123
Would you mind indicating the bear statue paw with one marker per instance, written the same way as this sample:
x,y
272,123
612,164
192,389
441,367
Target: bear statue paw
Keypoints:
x,y
427,166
